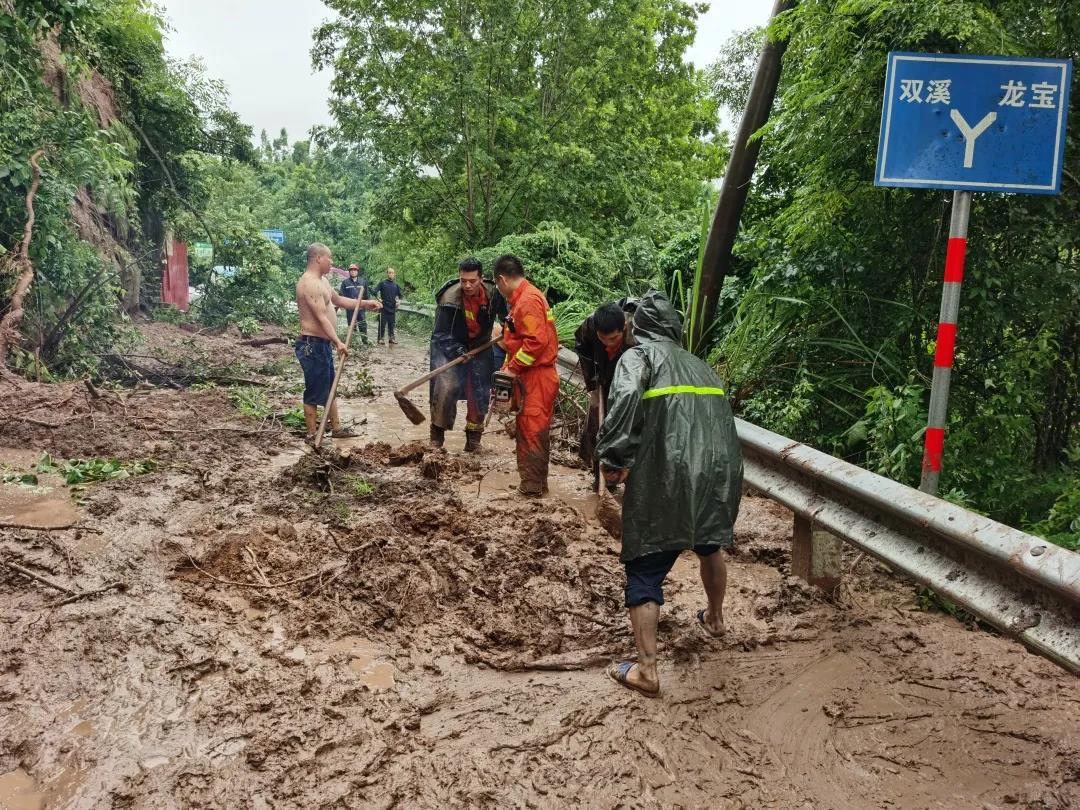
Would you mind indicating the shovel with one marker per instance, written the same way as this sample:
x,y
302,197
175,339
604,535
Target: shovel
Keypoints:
x,y
414,414
333,386
609,509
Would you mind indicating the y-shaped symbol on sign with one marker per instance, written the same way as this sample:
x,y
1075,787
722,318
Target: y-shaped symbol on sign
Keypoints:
x,y
971,133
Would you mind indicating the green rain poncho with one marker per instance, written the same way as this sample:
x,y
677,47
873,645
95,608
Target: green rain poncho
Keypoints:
x,y
669,422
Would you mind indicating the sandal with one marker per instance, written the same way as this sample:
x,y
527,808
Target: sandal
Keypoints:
x,y
705,629
620,673
344,433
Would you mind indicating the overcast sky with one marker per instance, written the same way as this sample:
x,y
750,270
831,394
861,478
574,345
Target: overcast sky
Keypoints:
x,y
260,49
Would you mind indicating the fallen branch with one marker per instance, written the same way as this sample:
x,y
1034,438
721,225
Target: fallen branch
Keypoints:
x,y
265,341
26,572
85,594
298,580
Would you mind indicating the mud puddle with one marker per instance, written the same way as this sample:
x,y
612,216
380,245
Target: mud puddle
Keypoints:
x,y
38,507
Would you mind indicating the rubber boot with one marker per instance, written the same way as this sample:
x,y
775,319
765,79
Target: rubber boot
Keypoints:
x,y
438,436
472,440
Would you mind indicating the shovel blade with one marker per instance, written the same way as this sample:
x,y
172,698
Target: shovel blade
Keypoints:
x,y
412,413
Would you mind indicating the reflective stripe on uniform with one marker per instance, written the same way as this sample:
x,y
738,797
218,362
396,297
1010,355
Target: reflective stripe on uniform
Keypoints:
x,y
524,357
682,389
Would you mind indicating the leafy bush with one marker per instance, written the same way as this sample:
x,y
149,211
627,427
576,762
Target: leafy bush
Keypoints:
x,y
77,472
167,313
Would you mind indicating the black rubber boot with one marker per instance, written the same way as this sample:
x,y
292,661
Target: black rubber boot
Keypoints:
x,y
438,436
472,440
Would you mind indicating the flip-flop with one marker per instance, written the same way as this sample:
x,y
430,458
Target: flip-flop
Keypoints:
x,y
344,433
621,671
704,628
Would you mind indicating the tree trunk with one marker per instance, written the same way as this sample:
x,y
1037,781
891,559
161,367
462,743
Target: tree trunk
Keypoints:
x,y
9,326
733,192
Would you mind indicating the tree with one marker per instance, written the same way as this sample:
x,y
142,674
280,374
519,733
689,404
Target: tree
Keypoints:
x,y
492,116
853,272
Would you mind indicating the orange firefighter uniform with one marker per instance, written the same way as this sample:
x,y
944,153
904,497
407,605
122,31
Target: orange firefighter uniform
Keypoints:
x,y
532,345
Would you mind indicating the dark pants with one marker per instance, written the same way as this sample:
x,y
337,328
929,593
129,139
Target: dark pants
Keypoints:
x,y
361,322
645,575
316,357
387,319
471,382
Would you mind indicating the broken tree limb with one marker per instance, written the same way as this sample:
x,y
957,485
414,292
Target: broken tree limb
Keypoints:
x,y
26,572
75,597
9,326
265,341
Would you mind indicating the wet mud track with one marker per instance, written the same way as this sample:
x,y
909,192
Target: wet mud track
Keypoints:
x,y
378,627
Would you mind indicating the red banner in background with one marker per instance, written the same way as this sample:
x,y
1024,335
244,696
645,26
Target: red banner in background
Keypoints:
x,y
174,274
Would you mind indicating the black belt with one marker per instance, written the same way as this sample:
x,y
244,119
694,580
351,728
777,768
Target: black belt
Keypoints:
x,y
312,339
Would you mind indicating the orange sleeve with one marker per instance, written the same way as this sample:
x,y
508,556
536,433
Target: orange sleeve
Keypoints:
x,y
531,326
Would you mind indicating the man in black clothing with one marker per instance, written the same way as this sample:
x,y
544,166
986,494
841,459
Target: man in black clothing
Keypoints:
x,y
466,310
599,342
356,287
390,293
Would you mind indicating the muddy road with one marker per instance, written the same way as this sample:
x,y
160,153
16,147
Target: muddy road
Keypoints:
x,y
383,627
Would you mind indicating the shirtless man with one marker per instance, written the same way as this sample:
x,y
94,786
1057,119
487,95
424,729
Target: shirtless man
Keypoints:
x,y
318,338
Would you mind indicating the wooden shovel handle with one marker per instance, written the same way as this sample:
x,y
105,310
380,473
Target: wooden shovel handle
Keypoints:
x,y
469,355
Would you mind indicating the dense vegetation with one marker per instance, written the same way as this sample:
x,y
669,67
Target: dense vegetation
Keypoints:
x,y
577,136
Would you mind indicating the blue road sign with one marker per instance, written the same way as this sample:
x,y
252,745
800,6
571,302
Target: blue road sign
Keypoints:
x,y
974,123
275,235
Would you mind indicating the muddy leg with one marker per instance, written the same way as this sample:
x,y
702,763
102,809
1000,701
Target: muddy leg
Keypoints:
x,y
644,619
714,578
311,417
335,420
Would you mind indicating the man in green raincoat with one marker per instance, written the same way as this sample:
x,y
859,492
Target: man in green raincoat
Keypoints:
x,y
670,435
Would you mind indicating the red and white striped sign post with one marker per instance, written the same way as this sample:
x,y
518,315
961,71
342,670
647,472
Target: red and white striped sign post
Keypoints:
x,y
934,441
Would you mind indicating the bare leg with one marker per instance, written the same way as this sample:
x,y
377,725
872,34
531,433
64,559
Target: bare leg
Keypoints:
x,y
644,619
714,578
311,416
335,420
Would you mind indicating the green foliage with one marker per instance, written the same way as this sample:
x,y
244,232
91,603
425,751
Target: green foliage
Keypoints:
x,y
559,261
495,116
88,81
933,602
358,485
1062,524
167,313
250,401
77,472
831,331
569,315
358,383
248,326
293,420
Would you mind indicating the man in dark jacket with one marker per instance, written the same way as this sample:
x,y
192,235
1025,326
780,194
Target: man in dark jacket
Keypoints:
x,y
390,293
670,435
355,286
599,342
466,310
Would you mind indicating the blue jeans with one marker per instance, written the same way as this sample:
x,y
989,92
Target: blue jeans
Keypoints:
x,y
316,356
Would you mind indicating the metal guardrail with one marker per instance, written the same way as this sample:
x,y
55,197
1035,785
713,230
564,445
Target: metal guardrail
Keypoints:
x,y
1022,585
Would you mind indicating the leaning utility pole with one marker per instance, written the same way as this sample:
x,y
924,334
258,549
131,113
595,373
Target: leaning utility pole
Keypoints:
x,y
736,185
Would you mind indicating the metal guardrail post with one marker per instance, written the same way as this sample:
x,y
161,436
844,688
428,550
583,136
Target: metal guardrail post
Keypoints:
x,y
815,554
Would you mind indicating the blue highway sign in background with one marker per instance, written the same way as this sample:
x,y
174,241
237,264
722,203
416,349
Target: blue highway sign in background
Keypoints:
x,y
275,235
974,123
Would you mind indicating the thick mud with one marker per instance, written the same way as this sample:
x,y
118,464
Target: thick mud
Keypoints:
x,y
380,625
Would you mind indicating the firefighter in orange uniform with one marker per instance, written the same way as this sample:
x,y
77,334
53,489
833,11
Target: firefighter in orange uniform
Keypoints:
x,y
531,345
